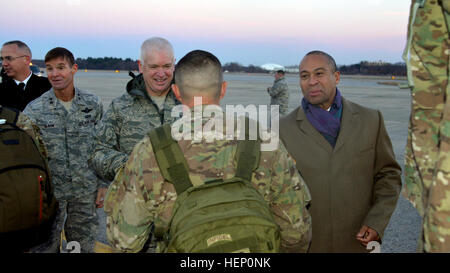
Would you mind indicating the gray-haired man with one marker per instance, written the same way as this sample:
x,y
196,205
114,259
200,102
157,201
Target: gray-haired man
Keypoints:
x,y
147,103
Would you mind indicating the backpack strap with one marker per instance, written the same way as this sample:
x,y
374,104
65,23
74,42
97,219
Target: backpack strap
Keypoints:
x,y
173,165
170,158
247,154
247,157
10,114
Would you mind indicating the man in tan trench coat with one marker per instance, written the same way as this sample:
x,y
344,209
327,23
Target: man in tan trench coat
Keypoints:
x,y
346,158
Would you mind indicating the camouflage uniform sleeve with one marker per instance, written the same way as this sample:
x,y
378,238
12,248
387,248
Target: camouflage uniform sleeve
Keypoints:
x,y
101,182
277,89
412,190
129,217
289,203
33,130
427,156
106,157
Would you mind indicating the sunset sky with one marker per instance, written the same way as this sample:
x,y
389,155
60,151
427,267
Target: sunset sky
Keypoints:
x,y
245,31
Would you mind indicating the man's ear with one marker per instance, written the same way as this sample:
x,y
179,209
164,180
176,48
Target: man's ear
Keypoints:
x,y
176,92
28,59
74,68
223,90
140,66
337,76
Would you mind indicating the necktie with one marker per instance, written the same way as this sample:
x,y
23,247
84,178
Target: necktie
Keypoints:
x,y
21,86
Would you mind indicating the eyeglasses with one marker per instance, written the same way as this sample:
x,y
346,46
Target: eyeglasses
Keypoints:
x,y
10,58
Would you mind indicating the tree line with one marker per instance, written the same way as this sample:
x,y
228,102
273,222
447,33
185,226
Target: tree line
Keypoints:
x,y
370,68
105,63
236,67
362,68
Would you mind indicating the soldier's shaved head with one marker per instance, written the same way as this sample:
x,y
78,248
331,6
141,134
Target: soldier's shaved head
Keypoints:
x,y
199,73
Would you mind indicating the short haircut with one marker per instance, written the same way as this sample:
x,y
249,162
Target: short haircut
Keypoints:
x,y
155,43
60,52
21,45
280,72
199,72
330,59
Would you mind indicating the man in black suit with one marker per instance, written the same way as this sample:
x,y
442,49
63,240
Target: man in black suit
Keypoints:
x,y
22,86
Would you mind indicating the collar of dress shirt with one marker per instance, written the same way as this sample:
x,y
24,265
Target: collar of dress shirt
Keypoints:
x,y
24,81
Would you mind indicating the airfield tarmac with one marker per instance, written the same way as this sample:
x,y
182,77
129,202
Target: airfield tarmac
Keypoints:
x,y
404,227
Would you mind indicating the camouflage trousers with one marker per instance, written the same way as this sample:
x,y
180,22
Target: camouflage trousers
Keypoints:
x,y
78,218
427,157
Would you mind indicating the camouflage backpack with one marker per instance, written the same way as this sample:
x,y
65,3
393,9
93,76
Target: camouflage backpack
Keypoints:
x,y
27,204
220,216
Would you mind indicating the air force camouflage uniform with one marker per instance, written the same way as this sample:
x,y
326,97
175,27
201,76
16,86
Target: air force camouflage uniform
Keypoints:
x,y
126,122
427,158
25,123
68,138
279,95
139,195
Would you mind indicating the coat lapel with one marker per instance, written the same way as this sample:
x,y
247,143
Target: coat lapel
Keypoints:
x,y
347,122
29,84
306,127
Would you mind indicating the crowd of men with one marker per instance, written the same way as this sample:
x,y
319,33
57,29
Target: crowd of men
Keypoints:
x,y
331,185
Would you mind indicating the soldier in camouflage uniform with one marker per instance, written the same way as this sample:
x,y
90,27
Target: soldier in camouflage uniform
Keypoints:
x,y
427,158
67,117
139,195
147,104
279,93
